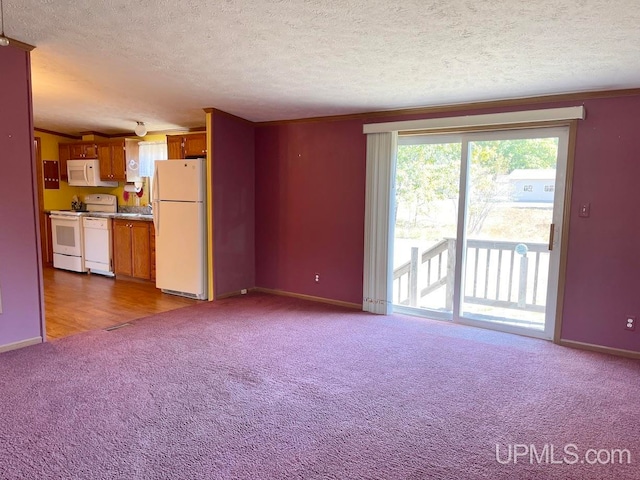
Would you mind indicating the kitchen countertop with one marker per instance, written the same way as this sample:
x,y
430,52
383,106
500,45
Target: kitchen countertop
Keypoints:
x,y
120,215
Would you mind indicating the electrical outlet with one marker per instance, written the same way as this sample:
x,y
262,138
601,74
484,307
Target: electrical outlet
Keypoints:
x,y
243,291
630,323
317,278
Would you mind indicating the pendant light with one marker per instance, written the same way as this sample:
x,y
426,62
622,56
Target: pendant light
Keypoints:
x,y
140,129
4,41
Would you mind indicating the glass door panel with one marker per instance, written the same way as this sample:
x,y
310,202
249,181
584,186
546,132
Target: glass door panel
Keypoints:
x,y
426,219
510,194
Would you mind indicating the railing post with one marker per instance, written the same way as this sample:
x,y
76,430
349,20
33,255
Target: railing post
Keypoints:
x,y
451,273
413,278
522,284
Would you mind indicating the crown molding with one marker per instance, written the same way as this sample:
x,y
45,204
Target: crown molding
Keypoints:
x,y
457,107
58,134
18,44
227,114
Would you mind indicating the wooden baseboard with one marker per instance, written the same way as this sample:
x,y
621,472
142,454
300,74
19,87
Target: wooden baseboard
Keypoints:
x,y
312,298
23,343
600,349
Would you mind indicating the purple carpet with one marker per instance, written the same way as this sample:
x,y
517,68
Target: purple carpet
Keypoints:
x,y
262,387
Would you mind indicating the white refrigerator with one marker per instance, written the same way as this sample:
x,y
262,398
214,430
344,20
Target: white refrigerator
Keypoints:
x,y
179,206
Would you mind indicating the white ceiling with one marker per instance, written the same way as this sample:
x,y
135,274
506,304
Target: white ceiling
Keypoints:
x,y
103,65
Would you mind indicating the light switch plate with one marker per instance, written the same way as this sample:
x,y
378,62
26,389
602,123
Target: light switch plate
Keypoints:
x,y
585,210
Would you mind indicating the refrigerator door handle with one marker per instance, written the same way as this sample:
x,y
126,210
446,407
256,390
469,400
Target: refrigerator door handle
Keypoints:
x,y
156,217
156,185
155,203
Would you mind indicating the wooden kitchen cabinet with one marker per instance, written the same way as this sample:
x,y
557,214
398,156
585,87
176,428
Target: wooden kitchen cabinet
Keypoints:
x,y
195,145
134,248
47,239
187,146
114,156
64,154
83,150
174,146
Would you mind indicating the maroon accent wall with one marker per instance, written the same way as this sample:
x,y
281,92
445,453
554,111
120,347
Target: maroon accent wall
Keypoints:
x,y
603,264
20,277
234,203
310,181
310,214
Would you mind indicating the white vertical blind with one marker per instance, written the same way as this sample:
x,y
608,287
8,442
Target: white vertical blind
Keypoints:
x,y
149,153
378,222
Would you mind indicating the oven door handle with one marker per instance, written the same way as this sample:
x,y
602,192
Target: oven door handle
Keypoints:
x,y
65,218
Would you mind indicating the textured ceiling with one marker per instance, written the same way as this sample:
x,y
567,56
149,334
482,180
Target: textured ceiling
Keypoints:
x,y
102,65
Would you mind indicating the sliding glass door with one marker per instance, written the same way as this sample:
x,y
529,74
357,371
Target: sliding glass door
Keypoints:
x,y
474,230
426,213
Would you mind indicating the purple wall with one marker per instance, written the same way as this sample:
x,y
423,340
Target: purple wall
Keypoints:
x,y
310,208
603,265
20,277
234,203
310,214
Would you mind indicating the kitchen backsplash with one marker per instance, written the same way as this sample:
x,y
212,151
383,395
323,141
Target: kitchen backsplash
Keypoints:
x,y
146,210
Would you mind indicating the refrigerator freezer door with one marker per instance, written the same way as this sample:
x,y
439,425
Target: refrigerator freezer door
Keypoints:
x,y
179,180
180,249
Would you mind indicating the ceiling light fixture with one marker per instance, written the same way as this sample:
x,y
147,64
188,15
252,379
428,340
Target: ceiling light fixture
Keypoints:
x,y
140,129
4,41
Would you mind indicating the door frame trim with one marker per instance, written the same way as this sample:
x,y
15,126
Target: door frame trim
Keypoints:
x,y
564,233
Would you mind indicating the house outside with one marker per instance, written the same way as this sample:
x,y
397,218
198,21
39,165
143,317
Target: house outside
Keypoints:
x,y
532,185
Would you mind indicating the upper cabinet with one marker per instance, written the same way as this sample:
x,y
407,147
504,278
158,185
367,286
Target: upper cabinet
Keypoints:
x,y
83,150
63,155
174,146
187,146
114,156
195,145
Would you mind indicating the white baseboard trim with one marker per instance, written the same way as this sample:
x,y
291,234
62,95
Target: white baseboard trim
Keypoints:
x,y
302,296
21,344
599,348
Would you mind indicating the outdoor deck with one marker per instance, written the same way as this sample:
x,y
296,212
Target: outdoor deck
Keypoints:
x,y
505,280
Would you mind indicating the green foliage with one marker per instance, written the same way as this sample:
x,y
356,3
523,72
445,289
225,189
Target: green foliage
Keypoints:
x,y
429,173
501,157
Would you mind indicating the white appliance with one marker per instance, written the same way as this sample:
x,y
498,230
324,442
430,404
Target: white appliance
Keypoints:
x,y
68,247
68,234
179,193
98,251
86,173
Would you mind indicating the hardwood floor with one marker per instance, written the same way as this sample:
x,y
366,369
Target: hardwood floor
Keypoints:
x,y
77,302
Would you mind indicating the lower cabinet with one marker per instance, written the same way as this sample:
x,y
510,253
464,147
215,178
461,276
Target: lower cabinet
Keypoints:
x,y
46,237
134,249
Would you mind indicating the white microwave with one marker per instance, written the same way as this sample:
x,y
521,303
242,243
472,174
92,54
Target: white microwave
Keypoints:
x,y
86,173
